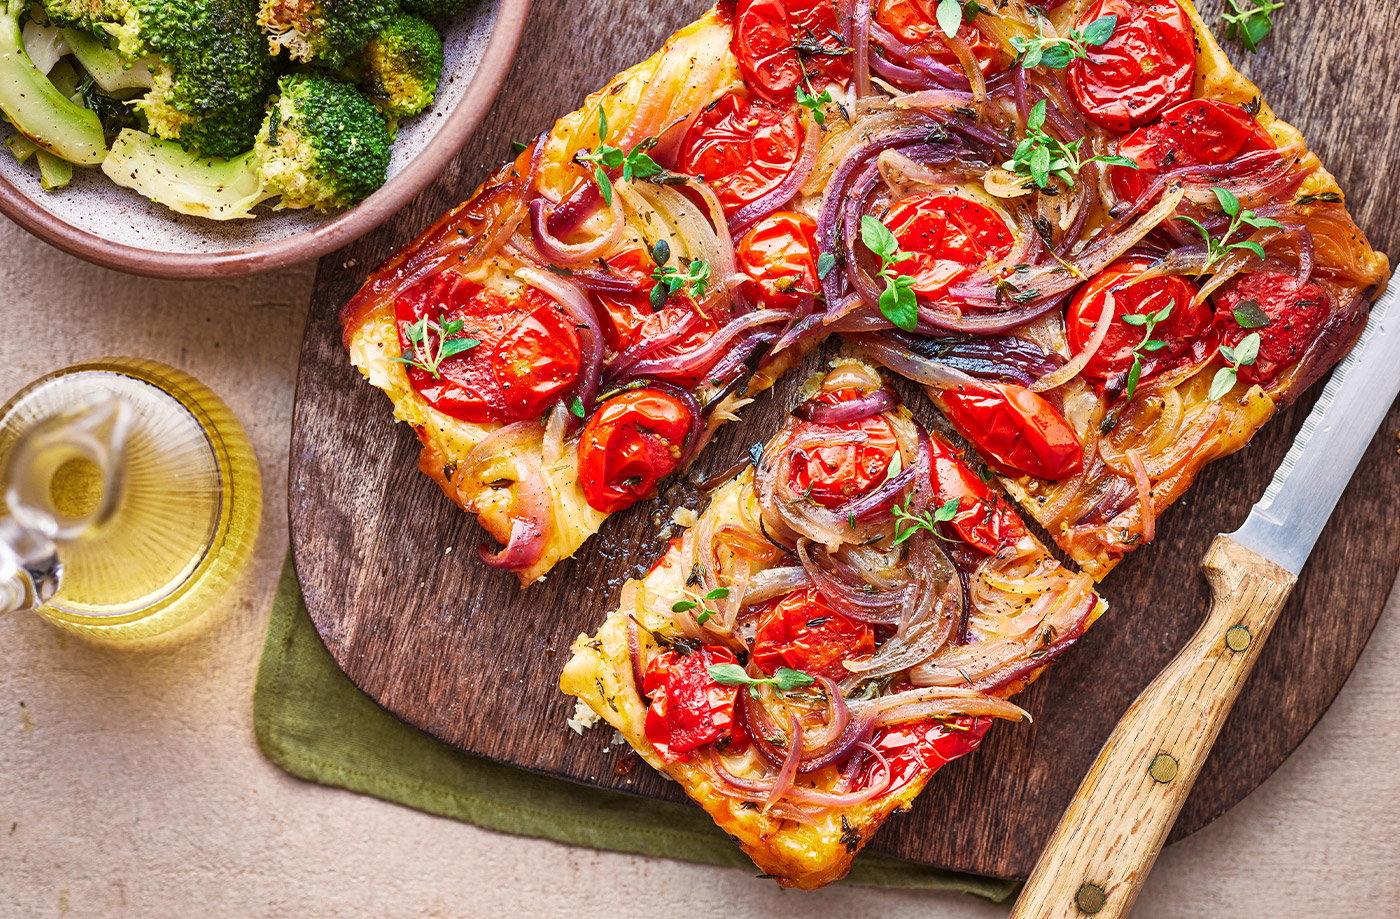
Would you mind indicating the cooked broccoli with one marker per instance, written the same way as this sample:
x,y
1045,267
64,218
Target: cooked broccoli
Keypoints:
x,y
88,15
401,66
323,145
37,108
211,73
113,72
436,7
328,31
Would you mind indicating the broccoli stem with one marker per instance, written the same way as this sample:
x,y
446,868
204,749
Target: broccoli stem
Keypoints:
x,y
36,107
109,69
168,174
54,173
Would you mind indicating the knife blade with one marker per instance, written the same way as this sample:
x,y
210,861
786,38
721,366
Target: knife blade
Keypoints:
x,y
1105,845
1286,523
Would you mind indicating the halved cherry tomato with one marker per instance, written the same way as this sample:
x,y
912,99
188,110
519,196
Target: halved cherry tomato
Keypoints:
x,y
688,708
629,304
1295,311
832,475
779,255
529,353
1146,66
1185,330
948,237
983,520
766,33
915,22
923,747
1016,431
743,148
802,631
629,444
1199,132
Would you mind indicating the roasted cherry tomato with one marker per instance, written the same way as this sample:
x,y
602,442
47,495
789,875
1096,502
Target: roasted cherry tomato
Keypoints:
x,y
779,256
802,631
633,321
1017,431
528,355
743,148
629,444
688,708
1199,132
628,303
983,520
914,22
948,237
766,33
923,747
1146,66
834,474
1296,313
1185,331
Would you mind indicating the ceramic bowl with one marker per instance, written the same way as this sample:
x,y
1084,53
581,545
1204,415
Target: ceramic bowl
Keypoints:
x,y
118,228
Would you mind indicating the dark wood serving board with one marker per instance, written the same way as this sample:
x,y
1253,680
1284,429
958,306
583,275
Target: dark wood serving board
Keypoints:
x,y
461,652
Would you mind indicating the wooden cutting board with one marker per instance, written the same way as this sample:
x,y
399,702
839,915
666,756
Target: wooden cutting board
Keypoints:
x,y
456,649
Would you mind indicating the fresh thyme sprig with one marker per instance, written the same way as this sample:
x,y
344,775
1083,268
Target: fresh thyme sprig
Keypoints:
x,y
907,523
1217,249
694,280
815,103
1251,21
432,343
1148,322
785,679
1041,156
1248,315
897,301
634,163
702,617
1241,355
1057,53
951,14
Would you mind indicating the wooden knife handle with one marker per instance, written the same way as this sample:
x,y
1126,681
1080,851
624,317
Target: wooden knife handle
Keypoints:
x,y
1105,845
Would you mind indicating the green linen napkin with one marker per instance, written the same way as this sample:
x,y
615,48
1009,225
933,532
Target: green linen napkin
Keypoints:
x,y
314,723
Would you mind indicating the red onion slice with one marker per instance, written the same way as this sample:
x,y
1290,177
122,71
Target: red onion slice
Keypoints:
x,y
872,403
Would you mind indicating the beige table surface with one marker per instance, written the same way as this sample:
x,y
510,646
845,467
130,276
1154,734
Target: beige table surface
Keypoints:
x,y
131,786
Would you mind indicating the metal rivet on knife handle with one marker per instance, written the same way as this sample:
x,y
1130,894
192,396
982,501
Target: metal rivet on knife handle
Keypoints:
x,y
1090,899
1163,768
1238,638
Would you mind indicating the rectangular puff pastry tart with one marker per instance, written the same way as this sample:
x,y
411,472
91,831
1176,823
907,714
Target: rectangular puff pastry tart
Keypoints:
x,y
1081,228
1075,225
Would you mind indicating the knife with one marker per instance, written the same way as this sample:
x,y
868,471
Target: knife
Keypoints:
x,y
1100,855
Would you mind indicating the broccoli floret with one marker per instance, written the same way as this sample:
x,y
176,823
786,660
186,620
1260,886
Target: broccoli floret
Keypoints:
x,y
436,7
211,75
323,145
401,66
37,108
328,31
88,15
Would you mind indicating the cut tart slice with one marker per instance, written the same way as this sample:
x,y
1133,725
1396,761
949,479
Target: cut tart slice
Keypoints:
x,y
840,622
1162,264
1082,229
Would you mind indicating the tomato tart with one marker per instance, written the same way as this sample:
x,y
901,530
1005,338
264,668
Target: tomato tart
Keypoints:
x,y
843,618
1079,227
1075,225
